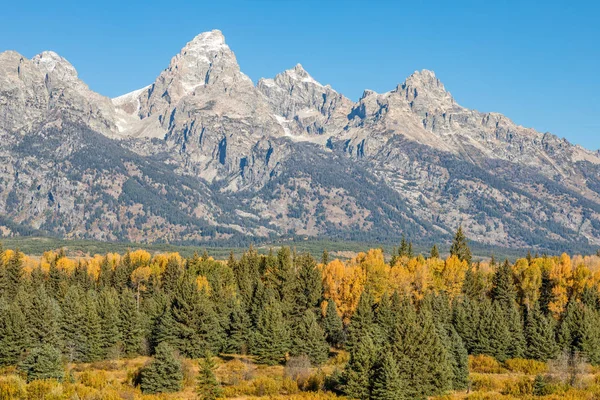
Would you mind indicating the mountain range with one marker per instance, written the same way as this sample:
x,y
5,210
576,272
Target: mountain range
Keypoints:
x,y
204,155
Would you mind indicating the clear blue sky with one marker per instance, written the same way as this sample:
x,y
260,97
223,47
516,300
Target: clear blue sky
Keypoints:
x,y
536,62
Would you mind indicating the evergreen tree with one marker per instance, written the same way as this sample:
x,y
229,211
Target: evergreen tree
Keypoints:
x,y
590,336
105,277
334,327
435,253
73,336
308,288
539,334
43,319
91,329
503,288
207,387
362,323
108,314
238,331
309,339
546,295
387,382
271,339
460,247
12,274
171,275
43,362
358,375
194,325
421,355
13,333
493,334
164,374
474,283
569,333
325,257
409,252
130,329
403,250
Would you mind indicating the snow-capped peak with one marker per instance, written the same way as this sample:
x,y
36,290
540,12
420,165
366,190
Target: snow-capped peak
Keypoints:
x,y
299,73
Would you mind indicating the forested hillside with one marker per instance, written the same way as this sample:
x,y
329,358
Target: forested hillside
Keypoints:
x,y
377,326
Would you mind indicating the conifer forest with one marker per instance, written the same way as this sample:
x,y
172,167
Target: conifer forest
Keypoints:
x,y
283,324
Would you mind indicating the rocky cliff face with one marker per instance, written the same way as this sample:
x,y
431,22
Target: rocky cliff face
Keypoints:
x,y
204,155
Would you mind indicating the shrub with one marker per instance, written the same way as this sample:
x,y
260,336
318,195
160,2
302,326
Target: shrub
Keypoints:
x,y
298,369
41,389
93,379
528,367
484,364
12,387
521,387
265,386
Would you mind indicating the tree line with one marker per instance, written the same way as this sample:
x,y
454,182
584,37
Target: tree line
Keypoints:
x,y
408,322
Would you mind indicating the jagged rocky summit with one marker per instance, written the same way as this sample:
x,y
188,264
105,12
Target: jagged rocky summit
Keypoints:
x,y
202,155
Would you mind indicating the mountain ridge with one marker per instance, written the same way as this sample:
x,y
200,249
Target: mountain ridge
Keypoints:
x,y
251,150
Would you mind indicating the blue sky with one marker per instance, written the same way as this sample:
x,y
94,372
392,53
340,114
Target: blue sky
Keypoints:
x,y
538,63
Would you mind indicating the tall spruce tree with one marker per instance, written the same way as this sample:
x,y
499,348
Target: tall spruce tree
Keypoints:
x,y
309,339
358,374
333,324
362,323
271,339
43,320
420,353
308,288
130,328
195,325
72,327
387,382
539,334
13,333
12,274
108,314
207,385
164,374
460,247
435,253
238,331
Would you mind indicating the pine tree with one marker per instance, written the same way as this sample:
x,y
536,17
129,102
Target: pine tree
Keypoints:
x,y
43,319
403,250
271,339
590,336
546,295
13,333
387,382
503,288
325,257
409,252
207,387
238,331
358,374
171,275
91,329
539,334
334,327
164,374
73,312
130,329
108,313
474,283
435,253
43,362
194,324
12,274
460,247
308,288
420,353
362,323
309,339
493,336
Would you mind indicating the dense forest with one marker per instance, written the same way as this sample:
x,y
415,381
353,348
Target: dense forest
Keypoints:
x,y
376,326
